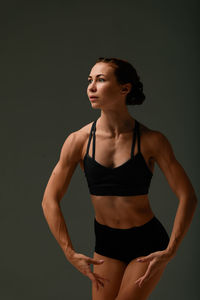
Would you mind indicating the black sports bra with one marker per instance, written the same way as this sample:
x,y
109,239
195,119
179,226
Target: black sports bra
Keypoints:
x,y
130,178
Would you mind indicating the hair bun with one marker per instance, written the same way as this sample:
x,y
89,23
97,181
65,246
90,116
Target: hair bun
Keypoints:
x,y
136,95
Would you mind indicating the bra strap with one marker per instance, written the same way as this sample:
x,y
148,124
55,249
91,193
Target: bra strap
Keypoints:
x,y
134,138
90,136
94,136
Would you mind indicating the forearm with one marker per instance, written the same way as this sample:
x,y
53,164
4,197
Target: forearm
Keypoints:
x,y
183,218
57,225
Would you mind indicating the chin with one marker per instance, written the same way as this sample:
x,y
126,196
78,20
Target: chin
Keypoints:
x,y
96,106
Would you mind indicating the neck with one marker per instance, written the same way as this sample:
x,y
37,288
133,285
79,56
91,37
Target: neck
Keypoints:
x,y
116,122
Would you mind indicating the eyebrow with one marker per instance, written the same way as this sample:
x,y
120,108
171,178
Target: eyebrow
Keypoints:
x,y
96,76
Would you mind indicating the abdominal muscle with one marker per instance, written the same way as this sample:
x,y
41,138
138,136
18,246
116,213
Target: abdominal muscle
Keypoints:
x,y
122,211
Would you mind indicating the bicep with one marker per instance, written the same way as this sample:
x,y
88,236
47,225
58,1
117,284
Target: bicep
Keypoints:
x,y
62,173
171,168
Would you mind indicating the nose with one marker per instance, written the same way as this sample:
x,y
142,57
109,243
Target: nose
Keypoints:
x,y
92,86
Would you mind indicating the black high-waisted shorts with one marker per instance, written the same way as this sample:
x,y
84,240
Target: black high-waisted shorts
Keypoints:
x,y
127,244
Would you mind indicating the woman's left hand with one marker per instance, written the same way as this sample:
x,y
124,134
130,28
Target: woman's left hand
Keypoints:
x,y
156,260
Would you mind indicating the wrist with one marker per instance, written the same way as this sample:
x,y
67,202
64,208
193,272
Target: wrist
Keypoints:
x,y
69,252
169,253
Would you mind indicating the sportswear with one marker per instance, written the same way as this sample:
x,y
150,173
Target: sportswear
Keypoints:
x,y
133,177
128,243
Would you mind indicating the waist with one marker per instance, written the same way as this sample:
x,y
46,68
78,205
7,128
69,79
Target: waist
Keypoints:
x,y
142,225
122,212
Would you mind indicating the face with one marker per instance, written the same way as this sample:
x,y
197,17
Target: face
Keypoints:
x,y
102,83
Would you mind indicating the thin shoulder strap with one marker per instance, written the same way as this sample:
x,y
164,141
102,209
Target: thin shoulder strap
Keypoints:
x,y
134,138
94,137
90,136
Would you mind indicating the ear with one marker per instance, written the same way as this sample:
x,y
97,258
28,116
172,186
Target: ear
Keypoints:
x,y
126,88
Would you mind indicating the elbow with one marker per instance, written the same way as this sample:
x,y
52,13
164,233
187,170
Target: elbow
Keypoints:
x,y
44,203
194,203
190,200
49,202
46,200
194,199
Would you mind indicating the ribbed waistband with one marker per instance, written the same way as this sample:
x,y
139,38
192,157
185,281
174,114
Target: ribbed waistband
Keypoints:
x,y
135,228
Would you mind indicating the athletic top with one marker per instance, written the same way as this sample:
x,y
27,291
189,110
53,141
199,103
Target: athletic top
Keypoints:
x,y
130,178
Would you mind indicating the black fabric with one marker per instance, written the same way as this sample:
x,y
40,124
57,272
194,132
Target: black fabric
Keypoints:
x,y
131,178
128,244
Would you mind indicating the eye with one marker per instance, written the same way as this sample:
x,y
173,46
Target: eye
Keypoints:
x,y
89,80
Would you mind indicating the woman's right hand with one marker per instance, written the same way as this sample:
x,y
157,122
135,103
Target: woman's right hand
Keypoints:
x,y
82,263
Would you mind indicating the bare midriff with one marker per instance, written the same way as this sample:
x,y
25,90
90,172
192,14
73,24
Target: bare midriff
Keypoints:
x,y
122,211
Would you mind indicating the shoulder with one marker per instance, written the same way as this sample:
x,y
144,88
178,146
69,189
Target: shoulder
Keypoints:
x,y
84,131
75,141
78,137
157,142
154,136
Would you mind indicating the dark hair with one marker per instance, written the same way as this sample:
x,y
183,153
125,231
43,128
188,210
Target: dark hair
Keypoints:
x,y
126,73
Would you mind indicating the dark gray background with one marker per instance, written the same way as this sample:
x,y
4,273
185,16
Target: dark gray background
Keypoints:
x,y
47,50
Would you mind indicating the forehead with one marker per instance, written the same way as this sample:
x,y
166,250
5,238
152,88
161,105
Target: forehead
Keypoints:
x,y
101,68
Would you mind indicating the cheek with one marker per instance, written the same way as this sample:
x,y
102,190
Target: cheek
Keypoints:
x,y
108,90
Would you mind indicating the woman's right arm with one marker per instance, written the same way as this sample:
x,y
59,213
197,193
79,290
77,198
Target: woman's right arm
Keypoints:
x,y
56,187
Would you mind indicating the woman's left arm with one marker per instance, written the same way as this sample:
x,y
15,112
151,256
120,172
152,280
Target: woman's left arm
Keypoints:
x,y
180,184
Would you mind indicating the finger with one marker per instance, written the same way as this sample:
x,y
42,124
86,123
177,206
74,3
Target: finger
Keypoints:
x,y
104,279
100,282
139,282
95,261
100,277
145,258
94,280
147,273
145,278
91,276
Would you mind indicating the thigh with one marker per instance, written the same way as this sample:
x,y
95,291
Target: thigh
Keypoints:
x,y
113,270
129,290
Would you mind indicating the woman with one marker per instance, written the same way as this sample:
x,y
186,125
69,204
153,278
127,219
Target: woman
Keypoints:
x,y
117,154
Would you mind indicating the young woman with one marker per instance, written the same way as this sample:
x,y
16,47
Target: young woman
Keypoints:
x,y
117,154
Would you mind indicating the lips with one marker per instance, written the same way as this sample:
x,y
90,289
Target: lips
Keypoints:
x,y
93,98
